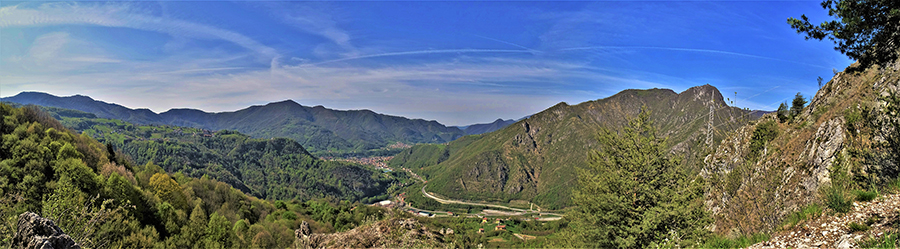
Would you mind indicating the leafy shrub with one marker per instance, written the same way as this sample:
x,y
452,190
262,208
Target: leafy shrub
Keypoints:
x,y
733,181
854,118
288,215
834,199
764,132
856,227
834,195
865,196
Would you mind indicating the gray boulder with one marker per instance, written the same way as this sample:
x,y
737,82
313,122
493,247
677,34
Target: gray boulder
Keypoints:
x,y
36,232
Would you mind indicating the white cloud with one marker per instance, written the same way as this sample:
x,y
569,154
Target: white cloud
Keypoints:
x,y
120,15
315,20
58,51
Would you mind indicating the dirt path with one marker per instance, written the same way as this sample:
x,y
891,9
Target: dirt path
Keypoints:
x,y
832,231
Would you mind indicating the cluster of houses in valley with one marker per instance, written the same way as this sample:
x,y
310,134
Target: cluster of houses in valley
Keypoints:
x,y
498,227
380,162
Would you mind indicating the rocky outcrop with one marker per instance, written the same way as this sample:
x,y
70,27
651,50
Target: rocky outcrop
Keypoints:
x,y
390,233
40,233
821,152
832,231
845,124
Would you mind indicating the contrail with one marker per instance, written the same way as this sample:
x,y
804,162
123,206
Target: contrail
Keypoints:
x,y
689,50
508,43
418,52
770,89
668,48
201,70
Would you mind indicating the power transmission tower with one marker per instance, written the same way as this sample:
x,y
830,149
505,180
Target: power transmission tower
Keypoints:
x,y
709,124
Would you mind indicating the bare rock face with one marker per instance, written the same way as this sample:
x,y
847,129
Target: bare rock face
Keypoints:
x,y
829,141
40,233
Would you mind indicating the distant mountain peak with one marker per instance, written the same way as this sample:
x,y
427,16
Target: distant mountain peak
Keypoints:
x,y
285,102
705,93
82,96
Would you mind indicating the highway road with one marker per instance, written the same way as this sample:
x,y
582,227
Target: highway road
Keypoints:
x,y
447,201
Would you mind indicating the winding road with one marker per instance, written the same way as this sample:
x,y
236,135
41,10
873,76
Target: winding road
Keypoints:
x,y
446,201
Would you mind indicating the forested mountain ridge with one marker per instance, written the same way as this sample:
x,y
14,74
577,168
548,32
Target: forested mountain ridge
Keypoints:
x,y
316,128
102,200
275,168
535,159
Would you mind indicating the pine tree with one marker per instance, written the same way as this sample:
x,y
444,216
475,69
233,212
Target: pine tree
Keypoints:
x,y
797,105
864,30
634,194
782,112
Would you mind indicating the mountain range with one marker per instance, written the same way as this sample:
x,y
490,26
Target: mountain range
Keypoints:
x,y
535,159
316,128
276,169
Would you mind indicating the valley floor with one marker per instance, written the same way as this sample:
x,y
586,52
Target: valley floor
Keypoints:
x,y
833,230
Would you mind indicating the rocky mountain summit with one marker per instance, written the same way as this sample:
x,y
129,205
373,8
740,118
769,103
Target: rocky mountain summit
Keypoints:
x,y
37,232
834,231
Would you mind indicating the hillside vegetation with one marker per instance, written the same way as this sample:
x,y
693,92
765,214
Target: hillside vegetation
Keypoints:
x,y
535,159
274,169
102,200
318,129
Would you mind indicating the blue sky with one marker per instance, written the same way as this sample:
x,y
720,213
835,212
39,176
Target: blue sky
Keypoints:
x,y
454,62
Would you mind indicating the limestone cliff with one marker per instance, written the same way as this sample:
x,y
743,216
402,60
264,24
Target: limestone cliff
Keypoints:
x,y
845,124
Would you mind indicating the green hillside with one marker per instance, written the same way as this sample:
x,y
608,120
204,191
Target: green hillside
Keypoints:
x,y
102,200
534,159
276,168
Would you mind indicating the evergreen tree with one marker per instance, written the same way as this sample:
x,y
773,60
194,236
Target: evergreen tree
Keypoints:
x,y
634,194
797,105
864,30
782,112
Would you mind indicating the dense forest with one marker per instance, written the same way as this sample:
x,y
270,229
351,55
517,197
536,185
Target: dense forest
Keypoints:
x,y
277,168
103,200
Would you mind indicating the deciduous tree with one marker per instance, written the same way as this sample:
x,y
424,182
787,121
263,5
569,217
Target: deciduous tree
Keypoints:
x,y
635,194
